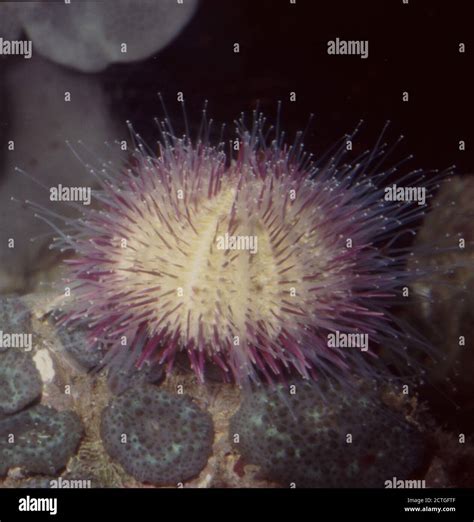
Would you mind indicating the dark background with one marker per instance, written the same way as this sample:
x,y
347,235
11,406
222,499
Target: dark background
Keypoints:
x,y
283,48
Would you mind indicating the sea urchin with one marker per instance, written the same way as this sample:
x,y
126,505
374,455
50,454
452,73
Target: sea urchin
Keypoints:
x,y
253,260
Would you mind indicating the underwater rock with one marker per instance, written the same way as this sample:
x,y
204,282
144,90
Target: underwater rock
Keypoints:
x,y
76,344
38,440
10,26
445,310
157,437
120,379
39,122
89,35
14,317
333,439
37,483
20,381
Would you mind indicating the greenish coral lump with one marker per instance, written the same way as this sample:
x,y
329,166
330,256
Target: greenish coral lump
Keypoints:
x,y
157,437
332,440
20,381
38,440
15,318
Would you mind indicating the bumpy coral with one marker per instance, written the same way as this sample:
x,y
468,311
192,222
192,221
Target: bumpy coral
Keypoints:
x,y
157,437
334,439
120,379
38,440
20,381
14,317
